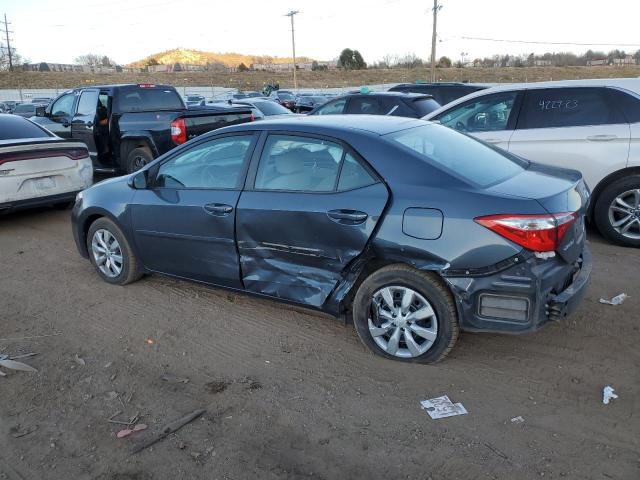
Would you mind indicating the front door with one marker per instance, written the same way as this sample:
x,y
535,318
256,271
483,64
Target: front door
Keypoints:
x,y
490,118
83,124
184,222
309,212
58,119
577,128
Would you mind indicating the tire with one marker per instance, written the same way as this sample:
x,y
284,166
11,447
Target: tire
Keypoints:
x,y
138,158
604,216
428,287
129,267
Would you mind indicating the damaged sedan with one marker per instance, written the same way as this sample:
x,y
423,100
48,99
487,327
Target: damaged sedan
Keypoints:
x,y
409,229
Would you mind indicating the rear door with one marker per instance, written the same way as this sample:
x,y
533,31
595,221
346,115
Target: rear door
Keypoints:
x,y
184,222
309,208
578,128
84,120
491,117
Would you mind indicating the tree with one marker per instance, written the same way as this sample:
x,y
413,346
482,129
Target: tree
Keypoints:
x,y
16,58
152,61
95,60
351,60
242,67
444,62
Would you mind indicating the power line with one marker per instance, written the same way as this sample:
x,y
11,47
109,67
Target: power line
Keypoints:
x,y
485,39
291,14
435,9
8,47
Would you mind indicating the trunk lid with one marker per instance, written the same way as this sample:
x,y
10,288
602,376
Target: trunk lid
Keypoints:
x,y
557,190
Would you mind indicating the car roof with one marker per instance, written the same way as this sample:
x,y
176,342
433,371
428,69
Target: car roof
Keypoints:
x,y
330,124
631,84
443,84
389,94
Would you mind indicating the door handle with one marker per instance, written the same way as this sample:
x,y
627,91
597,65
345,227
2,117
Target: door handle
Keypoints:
x,y
347,217
601,138
218,209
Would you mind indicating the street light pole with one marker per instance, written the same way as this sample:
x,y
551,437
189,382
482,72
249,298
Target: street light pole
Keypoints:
x,y
291,14
436,7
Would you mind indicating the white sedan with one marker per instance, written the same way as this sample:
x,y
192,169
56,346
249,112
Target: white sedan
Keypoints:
x,y
37,167
588,125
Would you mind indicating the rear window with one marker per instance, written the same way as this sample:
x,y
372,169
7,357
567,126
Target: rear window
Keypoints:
x,y
425,105
142,99
272,108
25,108
458,155
285,96
13,127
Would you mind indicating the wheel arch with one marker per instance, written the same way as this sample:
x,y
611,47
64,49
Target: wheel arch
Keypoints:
x,y
132,141
605,182
87,221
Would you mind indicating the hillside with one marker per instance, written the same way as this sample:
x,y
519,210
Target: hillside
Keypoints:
x,y
198,57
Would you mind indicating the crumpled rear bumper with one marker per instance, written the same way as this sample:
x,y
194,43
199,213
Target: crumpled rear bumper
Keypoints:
x,y
522,297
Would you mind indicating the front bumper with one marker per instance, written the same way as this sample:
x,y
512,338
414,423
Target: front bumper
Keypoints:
x,y
524,296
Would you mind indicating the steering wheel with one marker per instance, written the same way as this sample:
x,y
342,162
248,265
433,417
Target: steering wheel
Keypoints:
x,y
461,127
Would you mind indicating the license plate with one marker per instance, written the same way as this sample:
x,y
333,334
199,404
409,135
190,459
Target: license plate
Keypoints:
x,y
45,183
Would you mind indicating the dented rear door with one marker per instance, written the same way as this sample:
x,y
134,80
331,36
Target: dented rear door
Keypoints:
x,y
294,245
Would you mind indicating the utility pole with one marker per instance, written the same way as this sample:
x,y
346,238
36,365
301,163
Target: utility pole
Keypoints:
x,y
435,9
291,14
8,47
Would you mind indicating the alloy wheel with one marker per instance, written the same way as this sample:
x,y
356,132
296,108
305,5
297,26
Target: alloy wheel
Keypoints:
x,y
106,253
624,214
402,322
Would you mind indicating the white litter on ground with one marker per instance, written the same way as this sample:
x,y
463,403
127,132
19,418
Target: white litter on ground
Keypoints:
x,y
617,300
608,394
442,407
517,419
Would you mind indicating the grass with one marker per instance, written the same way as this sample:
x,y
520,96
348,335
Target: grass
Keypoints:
x,y
320,79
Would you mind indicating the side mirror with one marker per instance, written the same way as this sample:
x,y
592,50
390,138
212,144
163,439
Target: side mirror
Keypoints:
x,y
139,180
41,111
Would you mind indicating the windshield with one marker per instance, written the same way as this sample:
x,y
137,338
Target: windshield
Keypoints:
x,y
272,108
285,96
459,155
425,105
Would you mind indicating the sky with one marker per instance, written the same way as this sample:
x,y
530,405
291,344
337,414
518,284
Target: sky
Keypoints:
x,y
128,30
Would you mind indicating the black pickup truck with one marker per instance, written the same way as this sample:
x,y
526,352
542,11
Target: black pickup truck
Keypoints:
x,y
127,126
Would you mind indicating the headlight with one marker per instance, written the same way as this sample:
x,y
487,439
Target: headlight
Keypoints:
x,y
79,197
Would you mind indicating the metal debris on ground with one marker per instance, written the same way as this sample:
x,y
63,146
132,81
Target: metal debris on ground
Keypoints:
x,y
442,407
617,300
168,429
608,394
517,419
9,362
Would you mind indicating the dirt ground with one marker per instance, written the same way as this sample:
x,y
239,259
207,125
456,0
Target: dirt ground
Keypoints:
x,y
292,394
321,79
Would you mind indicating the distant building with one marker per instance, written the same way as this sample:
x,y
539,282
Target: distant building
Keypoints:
x,y
628,60
288,67
188,67
542,63
598,62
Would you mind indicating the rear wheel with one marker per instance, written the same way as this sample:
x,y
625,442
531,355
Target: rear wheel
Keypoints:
x,y
138,158
405,314
111,253
617,211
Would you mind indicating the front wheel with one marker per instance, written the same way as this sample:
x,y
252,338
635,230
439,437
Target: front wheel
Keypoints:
x,y
111,254
617,211
406,314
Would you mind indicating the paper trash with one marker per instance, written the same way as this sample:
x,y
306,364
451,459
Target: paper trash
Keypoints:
x,y
442,407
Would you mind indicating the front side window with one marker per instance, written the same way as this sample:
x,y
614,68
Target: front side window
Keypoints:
x,y
483,114
217,164
63,106
332,108
365,106
298,164
459,155
567,107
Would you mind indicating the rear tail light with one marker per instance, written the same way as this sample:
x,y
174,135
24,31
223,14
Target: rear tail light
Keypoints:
x,y
178,131
540,233
70,153
251,117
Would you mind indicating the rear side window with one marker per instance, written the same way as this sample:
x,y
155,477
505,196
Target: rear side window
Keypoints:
x,y
297,163
365,106
567,107
353,174
332,108
482,114
14,127
628,103
425,105
458,155
141,99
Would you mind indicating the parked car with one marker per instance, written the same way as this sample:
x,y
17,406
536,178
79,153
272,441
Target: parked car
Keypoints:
x,y
42,100
262,107
397,104
413,230
194,101
286,98
252,94
307,103
590,125
26,110
442,92
127,126
38,168
8,106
